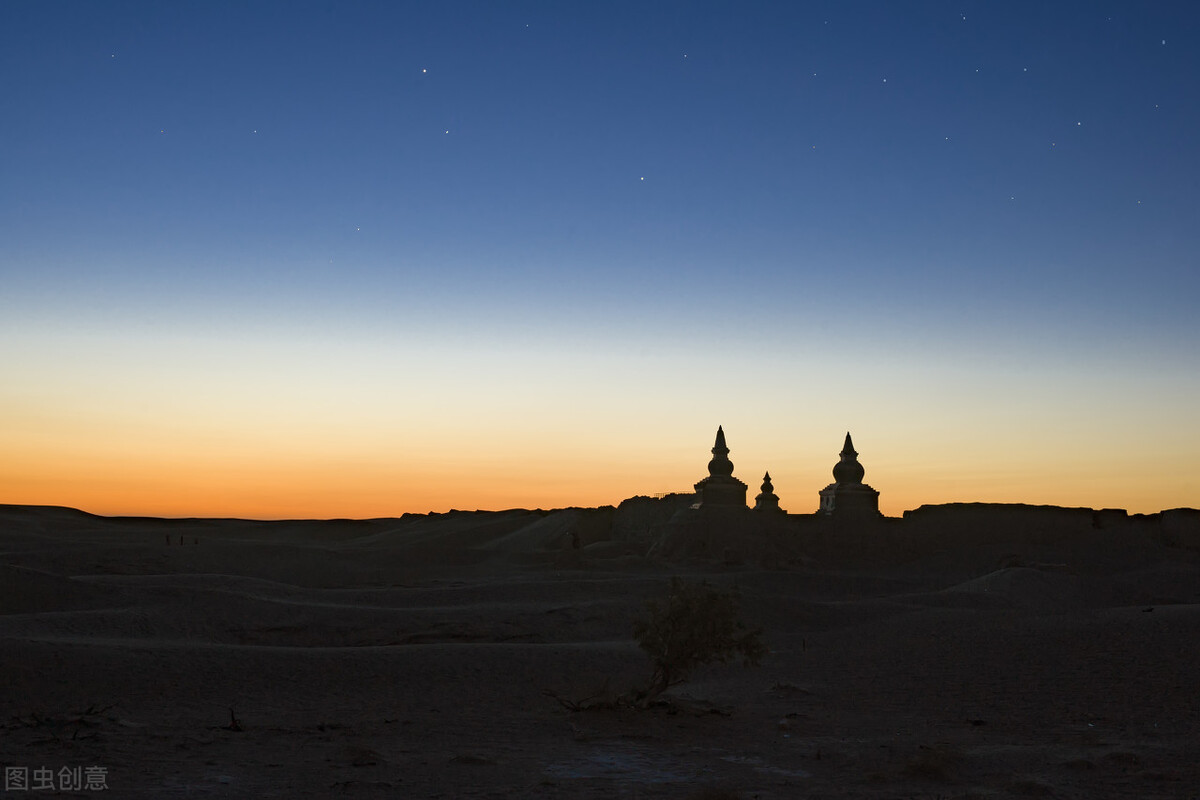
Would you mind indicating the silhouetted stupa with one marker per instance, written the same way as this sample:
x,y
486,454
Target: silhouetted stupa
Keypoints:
x,y
767,499
848,495
720,489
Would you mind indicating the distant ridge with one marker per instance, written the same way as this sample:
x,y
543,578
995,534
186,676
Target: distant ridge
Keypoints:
x,y
68,511
924,510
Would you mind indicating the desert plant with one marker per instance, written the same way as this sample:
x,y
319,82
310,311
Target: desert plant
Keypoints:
x,y
696,624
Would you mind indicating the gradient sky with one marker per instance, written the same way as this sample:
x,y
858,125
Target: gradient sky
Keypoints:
x,y
356,259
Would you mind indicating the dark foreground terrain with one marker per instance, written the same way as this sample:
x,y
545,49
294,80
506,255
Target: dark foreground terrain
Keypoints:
x,y
965,652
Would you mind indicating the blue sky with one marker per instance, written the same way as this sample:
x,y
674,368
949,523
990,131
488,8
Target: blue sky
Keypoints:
x,y
791,198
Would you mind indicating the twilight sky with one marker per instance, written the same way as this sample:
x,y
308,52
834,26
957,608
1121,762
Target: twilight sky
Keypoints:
x,y
355,259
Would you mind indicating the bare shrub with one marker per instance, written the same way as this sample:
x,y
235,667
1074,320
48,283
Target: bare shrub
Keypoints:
x,y
696,624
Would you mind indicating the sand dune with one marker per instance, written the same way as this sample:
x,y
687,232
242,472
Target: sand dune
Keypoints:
x,y
969,652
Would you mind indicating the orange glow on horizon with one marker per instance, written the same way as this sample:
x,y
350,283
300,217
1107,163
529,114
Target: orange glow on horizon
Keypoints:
x,y
173,445
324,491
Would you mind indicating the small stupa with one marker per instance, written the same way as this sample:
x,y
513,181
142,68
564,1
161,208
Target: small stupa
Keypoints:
x,y
720,489
767,500
848,496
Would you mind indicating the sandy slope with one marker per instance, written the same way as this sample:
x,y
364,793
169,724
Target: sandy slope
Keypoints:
x,y
409,658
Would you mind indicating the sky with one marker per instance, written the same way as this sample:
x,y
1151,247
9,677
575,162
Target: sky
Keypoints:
x,y
293,259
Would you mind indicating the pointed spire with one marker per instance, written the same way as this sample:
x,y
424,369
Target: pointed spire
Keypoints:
x,y
848,470
720,464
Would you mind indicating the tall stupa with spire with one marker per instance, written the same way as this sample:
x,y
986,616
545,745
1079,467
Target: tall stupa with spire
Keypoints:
x,y
720,489
848,496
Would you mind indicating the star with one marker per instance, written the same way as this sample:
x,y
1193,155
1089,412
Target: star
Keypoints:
x,y
423,71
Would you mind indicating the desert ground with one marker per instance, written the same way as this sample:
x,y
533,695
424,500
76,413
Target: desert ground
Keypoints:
x,y
973,652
